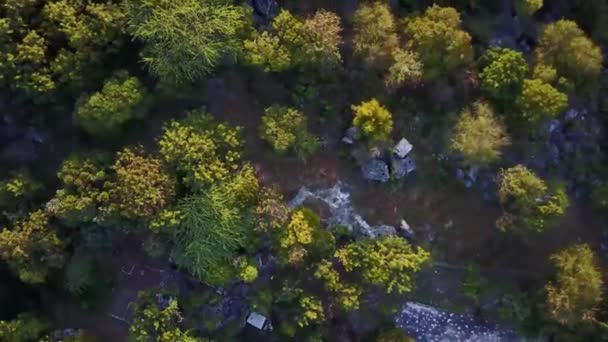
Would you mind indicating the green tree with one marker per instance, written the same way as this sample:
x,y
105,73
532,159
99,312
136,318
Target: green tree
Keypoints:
x,y
203,151
24,328
323,37
539,101
140,187
388,262
18,190
121,100
185,39
528,7
375,33
528,203
502,73
346,295
578,287
373,120
439,40
77,201
32,248
285,128
564,46
479,135
155,321
265,51
406,68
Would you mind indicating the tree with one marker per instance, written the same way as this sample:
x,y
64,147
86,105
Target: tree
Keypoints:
x,y
479,135
203,151
32,248
82,179
528,7
373,120
406,68
346,295
19,189
375,33
577,290
185,39
140,187
266,51
437,37
156,320
121,100
24,328
528,203
502,73
539,101
564,46
285,128
323,38
388,262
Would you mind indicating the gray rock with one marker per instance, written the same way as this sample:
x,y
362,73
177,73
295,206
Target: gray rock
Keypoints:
x,y
572,114
406,230
384,230
347,140
403,148
402,167
375,170
353,133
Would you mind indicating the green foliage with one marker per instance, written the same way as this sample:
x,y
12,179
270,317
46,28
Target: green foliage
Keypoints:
x,y
185,39
393,335
248,273
24,328
202,150
312,311
154,321
406,68
565,47
528,203
578,288
346,295
502,73
375,33
373,120
387,262
599,197
437,37
82,177
19,189
528,7
140,187
294,239
474,284
296,42
271,212
479,135
79,273
104,113
285,128
31,248
539,101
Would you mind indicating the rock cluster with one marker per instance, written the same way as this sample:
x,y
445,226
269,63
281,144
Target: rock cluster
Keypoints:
x,y
376,163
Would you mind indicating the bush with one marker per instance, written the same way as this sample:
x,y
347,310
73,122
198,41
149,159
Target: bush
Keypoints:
x,y
528,203
539,101
285,128
578,288
375,33
121,100
140,187
406,68
437,37
502,74
479,135
202,150
373,120
565,47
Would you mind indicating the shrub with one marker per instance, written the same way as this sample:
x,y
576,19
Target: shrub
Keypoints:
x,y
202,150
479,135
502,73
528,203
185,39
437,37
388,262
539,101
31,248
375,33
565,47
121,100
406,68
373,120
285,128
347,296
578,288
140,187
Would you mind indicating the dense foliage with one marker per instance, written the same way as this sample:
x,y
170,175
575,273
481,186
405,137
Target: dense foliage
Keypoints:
x,y
374,121
285,128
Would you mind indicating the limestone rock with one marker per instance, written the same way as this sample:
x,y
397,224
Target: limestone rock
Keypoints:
x,y
402,167
376,170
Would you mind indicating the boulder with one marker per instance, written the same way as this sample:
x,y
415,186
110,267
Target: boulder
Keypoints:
x,y
353,133
375,170
406,230
403,148
384,230
402,167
